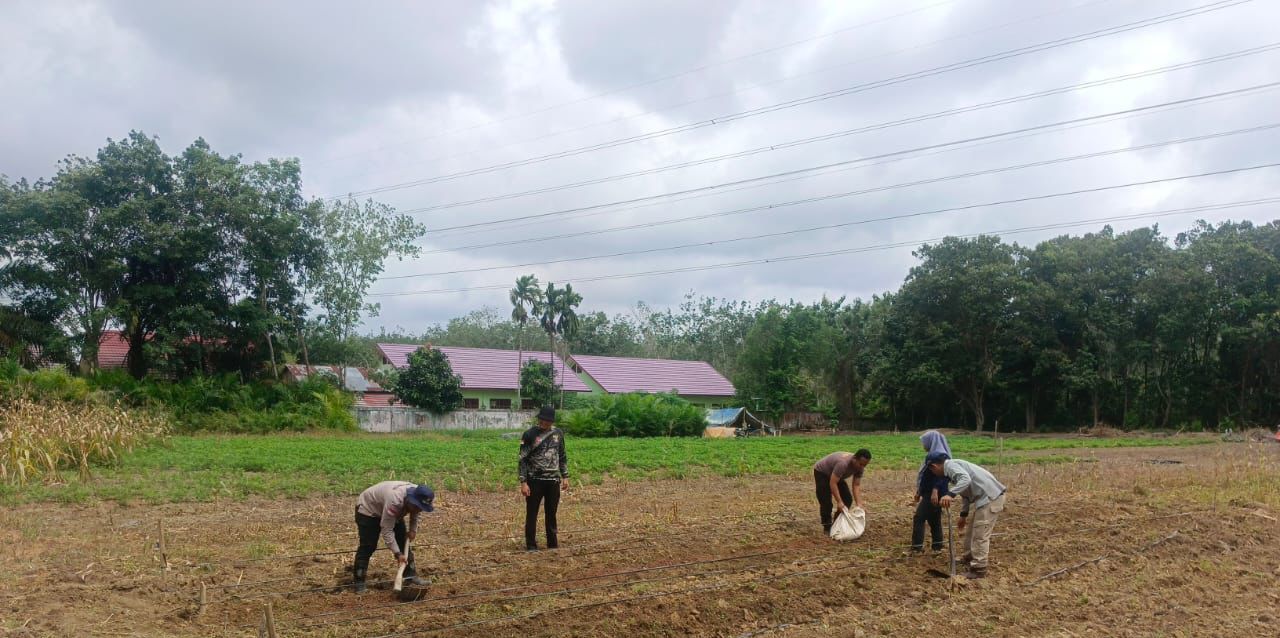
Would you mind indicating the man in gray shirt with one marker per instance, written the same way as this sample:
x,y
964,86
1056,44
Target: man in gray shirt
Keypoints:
x,y
380,512
983,496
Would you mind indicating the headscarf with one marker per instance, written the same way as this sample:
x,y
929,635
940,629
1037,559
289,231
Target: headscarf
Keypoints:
x,y
933,441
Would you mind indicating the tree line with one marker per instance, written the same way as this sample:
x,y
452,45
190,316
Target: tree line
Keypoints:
x,y
209,263
205,262
1129,329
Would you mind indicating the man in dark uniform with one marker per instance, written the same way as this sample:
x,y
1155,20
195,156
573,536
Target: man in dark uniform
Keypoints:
x,y
544,473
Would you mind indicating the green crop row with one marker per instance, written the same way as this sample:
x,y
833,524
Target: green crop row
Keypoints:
x,y
212,467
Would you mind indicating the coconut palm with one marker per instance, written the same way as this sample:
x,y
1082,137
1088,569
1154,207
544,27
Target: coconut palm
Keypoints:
x,y
558,318
526,298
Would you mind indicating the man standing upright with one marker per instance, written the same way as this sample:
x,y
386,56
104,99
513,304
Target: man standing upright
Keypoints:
x,y
983,497
544,473
829,475
380,511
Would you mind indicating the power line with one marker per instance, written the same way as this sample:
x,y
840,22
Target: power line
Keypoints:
x,y
973,62
869,248
859,160
658,80
735,91
691,218
856,131
797,231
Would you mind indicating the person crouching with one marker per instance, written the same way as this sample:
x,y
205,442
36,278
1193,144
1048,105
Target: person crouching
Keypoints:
x,y
380,512
983,496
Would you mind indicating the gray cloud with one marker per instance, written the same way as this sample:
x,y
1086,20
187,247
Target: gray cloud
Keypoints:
x,y
375,97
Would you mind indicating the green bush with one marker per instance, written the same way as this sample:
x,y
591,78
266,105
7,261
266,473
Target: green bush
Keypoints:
x,y
636,415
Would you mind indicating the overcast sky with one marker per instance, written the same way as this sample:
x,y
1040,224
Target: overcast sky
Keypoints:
x,y
381,95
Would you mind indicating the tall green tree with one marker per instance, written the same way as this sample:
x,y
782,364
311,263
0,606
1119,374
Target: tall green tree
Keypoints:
x,y
525,298
62,245
559,319
358,239
956,306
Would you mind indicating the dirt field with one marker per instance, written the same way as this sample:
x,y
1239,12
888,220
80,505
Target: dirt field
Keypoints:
x,y
714,557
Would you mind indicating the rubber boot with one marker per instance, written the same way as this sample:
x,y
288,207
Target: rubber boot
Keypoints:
x,y
359,572
552,540
975,573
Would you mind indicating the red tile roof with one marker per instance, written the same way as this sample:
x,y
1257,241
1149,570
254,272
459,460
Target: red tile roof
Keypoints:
x,y
484,368
624,374
113,349
379,399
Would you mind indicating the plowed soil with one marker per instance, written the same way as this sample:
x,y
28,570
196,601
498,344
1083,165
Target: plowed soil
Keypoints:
x,y
1148,542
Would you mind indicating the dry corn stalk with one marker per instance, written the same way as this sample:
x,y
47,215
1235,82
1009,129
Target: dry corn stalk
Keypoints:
x,y
40,439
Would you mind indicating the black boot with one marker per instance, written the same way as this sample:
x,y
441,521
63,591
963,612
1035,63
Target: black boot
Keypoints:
x,y
359,572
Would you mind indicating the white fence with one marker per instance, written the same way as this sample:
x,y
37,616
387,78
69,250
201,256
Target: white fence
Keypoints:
x,y
405,419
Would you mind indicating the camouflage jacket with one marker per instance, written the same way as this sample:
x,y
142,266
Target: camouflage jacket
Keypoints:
x,y
545,460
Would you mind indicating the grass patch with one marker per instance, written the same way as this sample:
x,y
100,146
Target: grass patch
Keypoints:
x,y
218,467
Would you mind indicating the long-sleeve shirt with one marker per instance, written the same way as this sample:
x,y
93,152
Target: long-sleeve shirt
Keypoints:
x,y
543,460
385,501
927,483
973,483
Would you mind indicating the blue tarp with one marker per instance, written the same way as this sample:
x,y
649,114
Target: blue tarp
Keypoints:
x,y
723,416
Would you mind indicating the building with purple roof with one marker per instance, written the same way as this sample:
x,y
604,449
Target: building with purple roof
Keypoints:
x,y
490,378
695,381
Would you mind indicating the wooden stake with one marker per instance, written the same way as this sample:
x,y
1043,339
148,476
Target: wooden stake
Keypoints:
x,y
164,553
675,512
204,598
270,621
1216,458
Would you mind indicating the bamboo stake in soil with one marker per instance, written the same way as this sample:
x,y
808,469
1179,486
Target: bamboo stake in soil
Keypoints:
x,y
164,554
270,620
204,599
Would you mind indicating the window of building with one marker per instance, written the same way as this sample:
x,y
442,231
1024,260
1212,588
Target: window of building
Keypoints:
x,y
471,404
528,404
499,404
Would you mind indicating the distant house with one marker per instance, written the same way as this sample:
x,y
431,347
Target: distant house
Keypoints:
x,y
490,378
368,392
113,349
695,381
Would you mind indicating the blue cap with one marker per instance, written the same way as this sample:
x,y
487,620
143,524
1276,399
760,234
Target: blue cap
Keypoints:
x,y
936,457
421,497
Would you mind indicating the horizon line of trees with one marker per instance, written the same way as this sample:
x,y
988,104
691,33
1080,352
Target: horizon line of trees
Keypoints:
x,y
1125,329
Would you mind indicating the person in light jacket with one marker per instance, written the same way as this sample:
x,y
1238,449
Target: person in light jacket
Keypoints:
x,y
380,513
983,497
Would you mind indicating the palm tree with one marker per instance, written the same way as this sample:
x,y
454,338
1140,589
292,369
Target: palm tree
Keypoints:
x,y
526,298
558,318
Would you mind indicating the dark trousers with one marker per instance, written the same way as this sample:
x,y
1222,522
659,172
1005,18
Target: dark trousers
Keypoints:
x,y
926,512
370,529
540,489
822,485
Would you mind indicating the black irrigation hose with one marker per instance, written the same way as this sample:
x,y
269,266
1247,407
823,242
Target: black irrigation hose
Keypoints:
x,y
568,534
508,599
618,601
628,572
476,568
689,529
878,549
